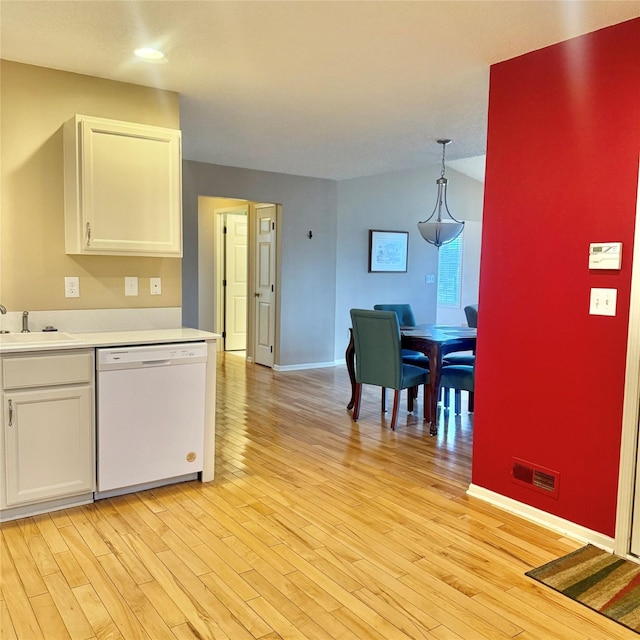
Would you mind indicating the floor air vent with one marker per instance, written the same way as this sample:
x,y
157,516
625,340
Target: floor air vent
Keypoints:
x,y
535,477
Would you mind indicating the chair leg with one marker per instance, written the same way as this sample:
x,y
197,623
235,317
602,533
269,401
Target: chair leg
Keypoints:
x,y
446,399
458,401
411,396
383,406
396,402
427,402
471,401
356,401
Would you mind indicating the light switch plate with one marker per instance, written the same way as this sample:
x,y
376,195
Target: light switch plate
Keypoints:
x,y
602,302
155,286
130,286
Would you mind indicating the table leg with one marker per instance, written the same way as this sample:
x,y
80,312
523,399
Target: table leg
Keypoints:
x,y
435,375
350,357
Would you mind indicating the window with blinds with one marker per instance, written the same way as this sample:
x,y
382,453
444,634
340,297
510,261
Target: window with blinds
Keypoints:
x,y
450,273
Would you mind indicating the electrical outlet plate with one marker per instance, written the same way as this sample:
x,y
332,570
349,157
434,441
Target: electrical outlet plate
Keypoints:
x,y
72,287
155,286
130,286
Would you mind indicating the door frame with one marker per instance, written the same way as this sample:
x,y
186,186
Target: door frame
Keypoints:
x,y
631,407
208,269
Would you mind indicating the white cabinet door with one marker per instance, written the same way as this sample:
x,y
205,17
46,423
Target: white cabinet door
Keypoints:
x,y
49,444
123,190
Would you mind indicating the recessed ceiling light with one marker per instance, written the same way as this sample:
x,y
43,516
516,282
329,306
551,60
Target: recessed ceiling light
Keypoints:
x,y
149,54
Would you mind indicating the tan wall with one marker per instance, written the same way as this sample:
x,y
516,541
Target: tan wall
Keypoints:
x,y
34,103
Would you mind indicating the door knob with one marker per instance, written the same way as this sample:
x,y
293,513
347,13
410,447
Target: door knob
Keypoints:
x,y
257,294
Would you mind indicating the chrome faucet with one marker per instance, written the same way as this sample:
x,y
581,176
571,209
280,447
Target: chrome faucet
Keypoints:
x,y
3,311
25,322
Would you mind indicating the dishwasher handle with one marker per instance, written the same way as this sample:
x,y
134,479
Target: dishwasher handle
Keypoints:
x,y
155,363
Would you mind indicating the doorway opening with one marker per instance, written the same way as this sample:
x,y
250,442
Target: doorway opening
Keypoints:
x,y
232,232
237,275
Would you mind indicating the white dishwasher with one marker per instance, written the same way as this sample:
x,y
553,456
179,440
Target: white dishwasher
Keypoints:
x,y
150,415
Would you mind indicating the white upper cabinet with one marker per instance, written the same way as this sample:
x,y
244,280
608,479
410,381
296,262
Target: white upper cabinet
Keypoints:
x,y
123,188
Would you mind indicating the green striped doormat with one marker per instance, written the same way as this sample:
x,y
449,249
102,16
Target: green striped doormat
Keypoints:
x,y
603,582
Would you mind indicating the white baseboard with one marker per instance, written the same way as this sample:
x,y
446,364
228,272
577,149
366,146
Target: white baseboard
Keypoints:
x,y
24,511
298,367
555,523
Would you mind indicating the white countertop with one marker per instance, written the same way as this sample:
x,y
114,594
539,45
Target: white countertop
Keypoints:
x,y
47,341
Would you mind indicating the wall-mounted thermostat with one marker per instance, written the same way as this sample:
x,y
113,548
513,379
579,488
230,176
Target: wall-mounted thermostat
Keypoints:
x,y
605,255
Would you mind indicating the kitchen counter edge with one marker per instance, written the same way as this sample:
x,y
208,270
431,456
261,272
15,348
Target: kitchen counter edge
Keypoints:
x,y
86,340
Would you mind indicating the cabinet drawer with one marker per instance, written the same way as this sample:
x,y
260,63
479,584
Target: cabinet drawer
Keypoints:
x,y
49,370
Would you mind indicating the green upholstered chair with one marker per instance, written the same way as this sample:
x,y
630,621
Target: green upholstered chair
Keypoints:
x,y
467,361
471,312
459,377
405,314
406,318
376,339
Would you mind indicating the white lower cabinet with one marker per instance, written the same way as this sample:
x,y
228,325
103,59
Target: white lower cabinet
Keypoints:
x,y
48,427
48,444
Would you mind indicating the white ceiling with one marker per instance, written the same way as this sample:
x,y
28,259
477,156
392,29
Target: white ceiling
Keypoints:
x,y
329,89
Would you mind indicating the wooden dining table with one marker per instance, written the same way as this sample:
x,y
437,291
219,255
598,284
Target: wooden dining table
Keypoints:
x,y
435,341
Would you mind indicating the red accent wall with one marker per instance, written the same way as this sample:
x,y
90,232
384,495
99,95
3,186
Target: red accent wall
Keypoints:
x,y
562,171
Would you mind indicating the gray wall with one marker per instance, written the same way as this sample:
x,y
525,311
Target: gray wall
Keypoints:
x,y
308,266
395,202
322,278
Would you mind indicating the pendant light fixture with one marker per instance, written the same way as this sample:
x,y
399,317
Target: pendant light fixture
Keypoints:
x,y
439,231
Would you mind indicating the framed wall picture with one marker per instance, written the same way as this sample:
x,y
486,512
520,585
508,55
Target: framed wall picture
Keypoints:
x,y
388,251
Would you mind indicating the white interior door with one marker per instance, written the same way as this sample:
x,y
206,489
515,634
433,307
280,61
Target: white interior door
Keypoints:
x,y
265,284
235,282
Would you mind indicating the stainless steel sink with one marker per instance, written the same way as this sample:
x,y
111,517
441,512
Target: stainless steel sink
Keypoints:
x,y
35,338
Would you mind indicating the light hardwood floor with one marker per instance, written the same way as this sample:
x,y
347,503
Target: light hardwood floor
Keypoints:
x,y
315,527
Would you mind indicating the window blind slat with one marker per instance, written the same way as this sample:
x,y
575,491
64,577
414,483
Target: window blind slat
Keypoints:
x,y
450,273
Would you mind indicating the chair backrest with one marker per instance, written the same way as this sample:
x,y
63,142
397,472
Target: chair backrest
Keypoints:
x,y
471,311
376,338
403,311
